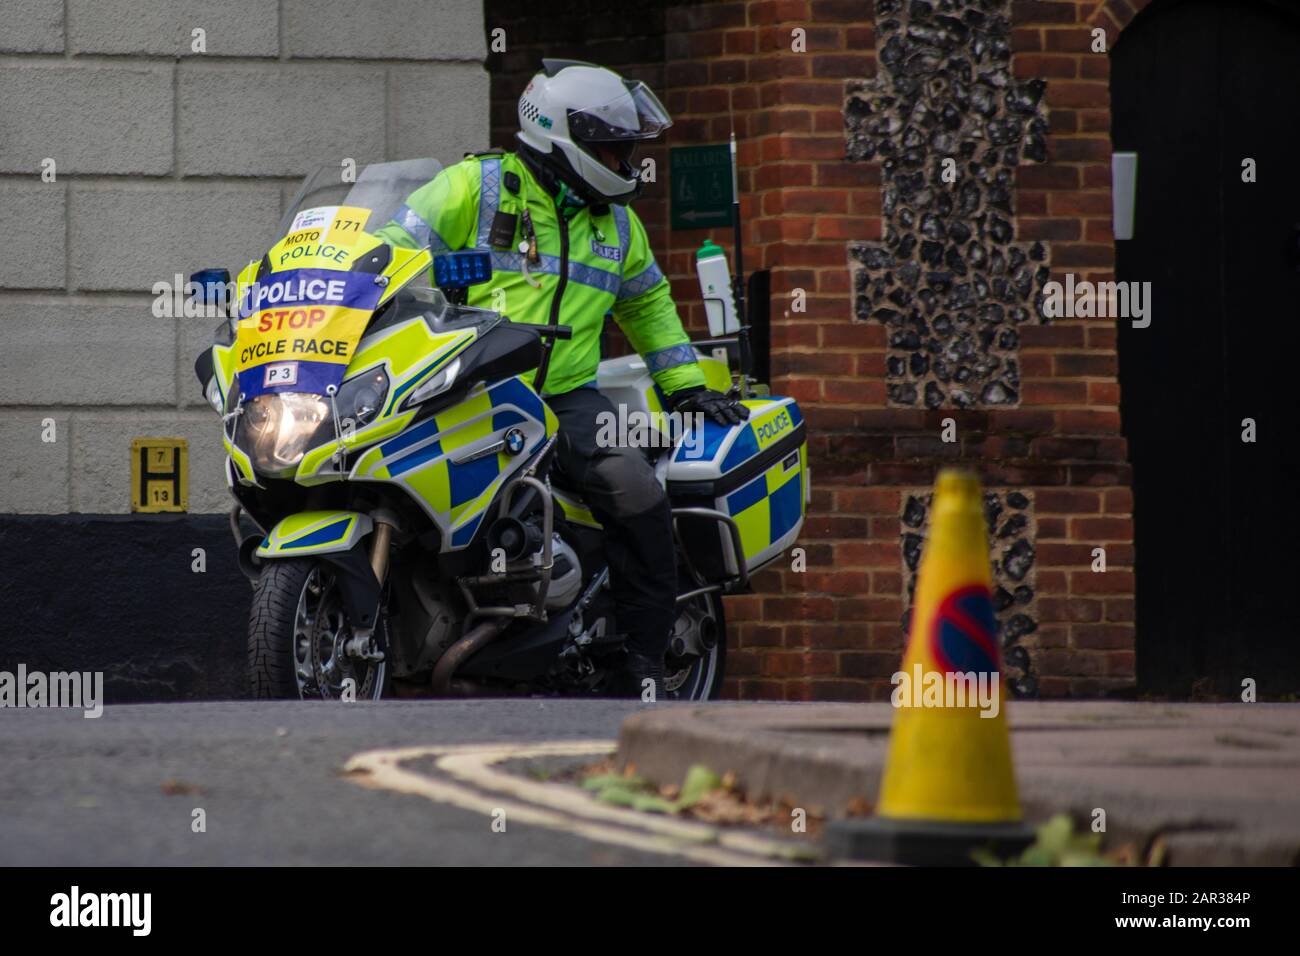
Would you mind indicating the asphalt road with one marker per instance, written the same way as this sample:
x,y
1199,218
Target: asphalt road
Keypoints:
x,y
76,792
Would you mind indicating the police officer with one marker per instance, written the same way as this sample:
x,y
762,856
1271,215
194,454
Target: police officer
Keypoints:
x,y
567,249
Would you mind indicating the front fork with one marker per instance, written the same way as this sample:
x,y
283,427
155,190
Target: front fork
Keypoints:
x,y
385,524
362,644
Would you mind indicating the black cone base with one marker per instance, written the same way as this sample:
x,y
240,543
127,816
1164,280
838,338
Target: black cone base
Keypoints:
x,y
923,842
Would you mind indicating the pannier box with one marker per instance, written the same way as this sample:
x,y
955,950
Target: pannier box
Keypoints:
x,y
755,473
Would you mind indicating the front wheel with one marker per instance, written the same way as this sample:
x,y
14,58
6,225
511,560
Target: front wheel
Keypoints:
x,y
697,651
298,634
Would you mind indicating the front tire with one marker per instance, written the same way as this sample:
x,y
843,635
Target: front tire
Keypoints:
x,y
296,630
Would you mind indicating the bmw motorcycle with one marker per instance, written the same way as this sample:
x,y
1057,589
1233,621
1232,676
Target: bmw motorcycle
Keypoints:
x,y
388,444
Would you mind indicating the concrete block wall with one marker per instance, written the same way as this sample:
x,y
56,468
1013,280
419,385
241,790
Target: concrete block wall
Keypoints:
x,y
168,160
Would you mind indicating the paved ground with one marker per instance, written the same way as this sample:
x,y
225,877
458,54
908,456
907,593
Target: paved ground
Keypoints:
x,y
1220,783
91,792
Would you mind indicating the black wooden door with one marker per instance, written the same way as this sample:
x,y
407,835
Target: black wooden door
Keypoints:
x,y
1197,88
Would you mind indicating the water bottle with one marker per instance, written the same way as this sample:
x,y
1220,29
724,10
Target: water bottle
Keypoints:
x,y
715,286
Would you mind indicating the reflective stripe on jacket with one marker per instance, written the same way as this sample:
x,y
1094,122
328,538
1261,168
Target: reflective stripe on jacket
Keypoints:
x,y
610,268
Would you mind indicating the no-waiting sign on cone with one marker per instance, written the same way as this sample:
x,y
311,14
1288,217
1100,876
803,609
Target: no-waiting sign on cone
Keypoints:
x,y
948,784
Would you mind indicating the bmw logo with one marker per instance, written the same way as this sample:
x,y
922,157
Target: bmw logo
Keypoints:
x,y
514,441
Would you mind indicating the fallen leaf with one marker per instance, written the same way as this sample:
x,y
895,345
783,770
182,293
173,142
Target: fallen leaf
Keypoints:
x,y
179,788
700,780
858,807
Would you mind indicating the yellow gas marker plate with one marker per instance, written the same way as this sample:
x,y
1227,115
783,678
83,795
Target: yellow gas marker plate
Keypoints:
x,y
160,470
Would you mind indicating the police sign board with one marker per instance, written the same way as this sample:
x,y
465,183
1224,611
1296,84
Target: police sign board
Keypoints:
x,y
701,186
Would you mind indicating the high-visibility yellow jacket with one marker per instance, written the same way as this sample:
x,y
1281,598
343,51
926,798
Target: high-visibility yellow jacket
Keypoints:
x,y
588,265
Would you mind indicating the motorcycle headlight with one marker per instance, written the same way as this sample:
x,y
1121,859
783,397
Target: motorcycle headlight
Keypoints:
x,y
434,386
361,397
278,429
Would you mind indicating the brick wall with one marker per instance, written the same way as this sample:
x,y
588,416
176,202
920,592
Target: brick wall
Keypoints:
x,y
167,160
812,203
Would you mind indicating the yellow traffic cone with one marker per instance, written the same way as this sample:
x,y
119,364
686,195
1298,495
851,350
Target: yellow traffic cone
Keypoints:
x,y
948,785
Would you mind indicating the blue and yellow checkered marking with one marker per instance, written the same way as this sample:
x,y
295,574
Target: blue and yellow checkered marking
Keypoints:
x,y
769,506
575,511
453,348
706,450
762,431
753,436
310,530
742,449
337,531
413,354
422,456
465,534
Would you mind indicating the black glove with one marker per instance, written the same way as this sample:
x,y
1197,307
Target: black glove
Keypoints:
x,y
720,408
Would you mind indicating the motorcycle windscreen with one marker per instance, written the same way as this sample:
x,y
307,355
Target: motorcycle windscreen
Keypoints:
x,y
299,325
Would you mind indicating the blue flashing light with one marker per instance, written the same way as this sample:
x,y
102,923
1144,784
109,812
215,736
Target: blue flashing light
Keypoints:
x,y
456,270
212,284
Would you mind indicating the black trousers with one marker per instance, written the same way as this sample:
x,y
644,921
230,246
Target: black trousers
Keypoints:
x,y
619,486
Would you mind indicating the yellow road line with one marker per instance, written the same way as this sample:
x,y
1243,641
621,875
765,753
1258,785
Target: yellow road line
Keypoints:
x,y
555,806
478,768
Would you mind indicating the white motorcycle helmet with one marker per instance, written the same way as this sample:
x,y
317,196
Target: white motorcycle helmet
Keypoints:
x,y
573,112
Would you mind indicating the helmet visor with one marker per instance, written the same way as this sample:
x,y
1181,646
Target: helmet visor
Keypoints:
x,y
636,115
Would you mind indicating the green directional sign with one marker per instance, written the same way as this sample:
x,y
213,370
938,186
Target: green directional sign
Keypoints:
x,y
701,179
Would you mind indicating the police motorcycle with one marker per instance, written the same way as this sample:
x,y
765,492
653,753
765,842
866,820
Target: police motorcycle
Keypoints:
x,y
389,445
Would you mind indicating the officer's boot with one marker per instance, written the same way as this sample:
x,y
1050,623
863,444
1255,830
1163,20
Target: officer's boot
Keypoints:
x,y
641,668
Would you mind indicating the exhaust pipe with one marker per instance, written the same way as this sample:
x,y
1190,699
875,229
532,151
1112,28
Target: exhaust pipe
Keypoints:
x,y
462,650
